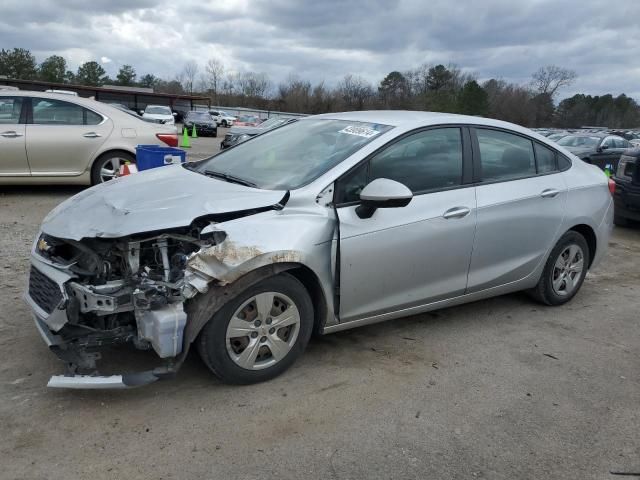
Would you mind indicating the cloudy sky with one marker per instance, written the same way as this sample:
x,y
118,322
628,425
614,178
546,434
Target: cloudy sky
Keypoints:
x,y
325,39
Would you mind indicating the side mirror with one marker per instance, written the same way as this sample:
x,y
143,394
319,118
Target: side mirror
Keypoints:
x,y
382,193
174,114
141,112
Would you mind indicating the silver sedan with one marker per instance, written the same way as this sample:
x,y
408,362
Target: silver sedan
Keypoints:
x,y
331,222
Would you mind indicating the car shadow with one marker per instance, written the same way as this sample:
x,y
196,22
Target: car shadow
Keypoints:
x,y
41,190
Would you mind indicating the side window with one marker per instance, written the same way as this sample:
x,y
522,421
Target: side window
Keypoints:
x,y
424,161
10,108
621,143
563,163
608,142
56,112
505,156
92,117
546,159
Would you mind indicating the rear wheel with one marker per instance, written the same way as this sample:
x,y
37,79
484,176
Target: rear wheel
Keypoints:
x,y
107,166
260,333
564,271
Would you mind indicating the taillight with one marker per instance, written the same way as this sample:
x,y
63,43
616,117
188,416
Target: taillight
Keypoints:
x,y
612,186
170,139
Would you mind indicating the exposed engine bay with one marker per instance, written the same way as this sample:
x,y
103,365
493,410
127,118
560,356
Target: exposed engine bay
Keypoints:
x,y
129,290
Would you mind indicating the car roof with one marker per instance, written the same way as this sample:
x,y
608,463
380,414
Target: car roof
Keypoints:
x,y
89,102
410,118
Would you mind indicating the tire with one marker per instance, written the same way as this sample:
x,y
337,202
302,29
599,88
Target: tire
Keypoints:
x,y
107,163
551,288
620,221
242,359
215,133
224,124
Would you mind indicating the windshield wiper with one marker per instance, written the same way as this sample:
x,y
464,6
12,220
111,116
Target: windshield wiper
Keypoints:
x,y
229,178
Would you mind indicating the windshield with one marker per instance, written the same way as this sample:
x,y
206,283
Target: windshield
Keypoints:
x,y
247,119
293,155
271,122
557,136
158,110
579,141
200,116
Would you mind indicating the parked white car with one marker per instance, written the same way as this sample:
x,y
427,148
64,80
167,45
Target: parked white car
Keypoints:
x,y
159,112
60,138
222,117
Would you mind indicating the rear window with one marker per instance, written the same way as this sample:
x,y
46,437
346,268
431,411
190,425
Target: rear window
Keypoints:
x,y
47,111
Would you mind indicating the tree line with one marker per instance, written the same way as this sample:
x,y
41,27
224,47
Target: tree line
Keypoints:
x,y
437,88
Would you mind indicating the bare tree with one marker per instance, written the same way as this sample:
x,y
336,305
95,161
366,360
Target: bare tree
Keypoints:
x,y
294,94
355,91
190,71
252,84
551,78
215,72
230,82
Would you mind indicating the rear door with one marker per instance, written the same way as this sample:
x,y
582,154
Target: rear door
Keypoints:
x,y
408,256
521,199
13,160
62,137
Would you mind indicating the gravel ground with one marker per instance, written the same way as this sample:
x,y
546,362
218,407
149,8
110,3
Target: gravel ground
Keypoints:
x,y
499,389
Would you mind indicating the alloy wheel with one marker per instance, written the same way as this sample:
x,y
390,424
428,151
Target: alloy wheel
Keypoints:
x,y
567,270
110,168
262,331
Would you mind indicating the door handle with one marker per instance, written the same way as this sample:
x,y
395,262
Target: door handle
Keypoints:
x,y
91,135
549,193
11,134
456,212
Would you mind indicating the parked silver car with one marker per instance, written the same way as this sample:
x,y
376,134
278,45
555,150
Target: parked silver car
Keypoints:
x,y
60,138
329,223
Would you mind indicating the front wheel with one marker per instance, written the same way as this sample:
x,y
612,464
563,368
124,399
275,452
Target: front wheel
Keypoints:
x,y
260,333
564,271
225,124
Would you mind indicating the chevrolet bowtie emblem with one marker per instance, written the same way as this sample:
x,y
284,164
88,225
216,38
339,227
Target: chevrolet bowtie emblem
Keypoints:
x,y
43,246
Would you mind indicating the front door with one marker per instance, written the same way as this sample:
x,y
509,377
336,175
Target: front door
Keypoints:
x,y
13,161
408,256
76,132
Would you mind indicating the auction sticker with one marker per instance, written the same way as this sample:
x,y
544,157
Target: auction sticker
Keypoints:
x,y
365,132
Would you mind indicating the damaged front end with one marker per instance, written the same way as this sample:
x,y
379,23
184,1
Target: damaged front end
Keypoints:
x,y
95,293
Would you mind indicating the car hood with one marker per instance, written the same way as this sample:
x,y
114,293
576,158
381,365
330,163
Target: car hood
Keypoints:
x,y
157,199
209,123
157,116
238,130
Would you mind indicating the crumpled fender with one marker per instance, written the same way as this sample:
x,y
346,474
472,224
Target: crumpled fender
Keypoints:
x,y
273,237
255,248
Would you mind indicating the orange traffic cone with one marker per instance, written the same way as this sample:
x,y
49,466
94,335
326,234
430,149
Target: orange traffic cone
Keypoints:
x,y
127,169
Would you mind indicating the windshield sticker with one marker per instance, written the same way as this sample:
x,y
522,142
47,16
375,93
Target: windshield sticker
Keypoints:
x,y
365,132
